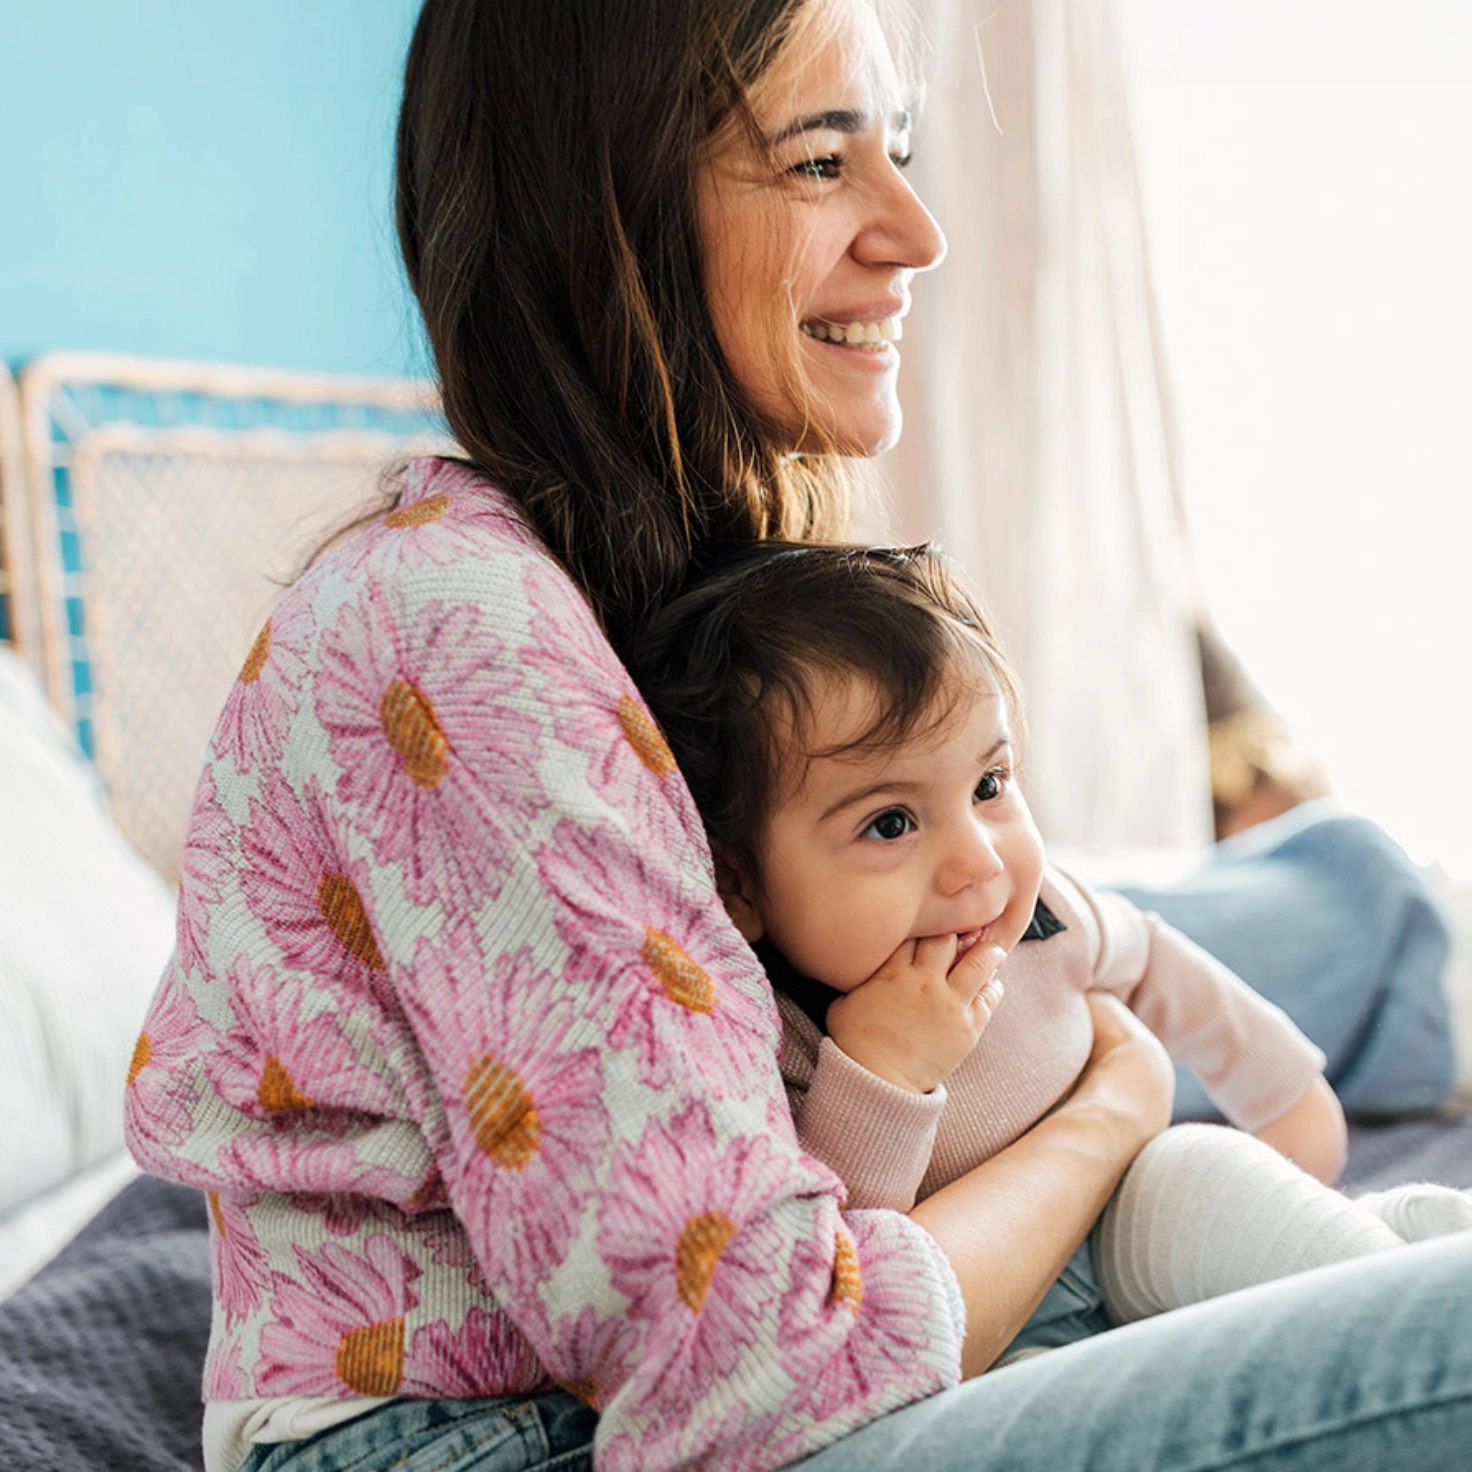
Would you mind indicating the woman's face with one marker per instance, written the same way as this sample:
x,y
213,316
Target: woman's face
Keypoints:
x,y
809,245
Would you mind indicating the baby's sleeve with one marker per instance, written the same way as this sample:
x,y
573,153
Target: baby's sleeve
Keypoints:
x,y
875,1137
1251,1058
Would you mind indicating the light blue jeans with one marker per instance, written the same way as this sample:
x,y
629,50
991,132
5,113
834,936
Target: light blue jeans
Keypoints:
x,y
1362,1367
1325,915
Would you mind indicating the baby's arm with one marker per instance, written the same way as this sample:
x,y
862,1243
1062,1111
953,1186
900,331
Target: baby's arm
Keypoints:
x,y
877,1135
1312,1132
1258,1068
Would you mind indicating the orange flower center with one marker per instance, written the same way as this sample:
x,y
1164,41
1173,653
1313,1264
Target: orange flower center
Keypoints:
x,y
419,513
681,979
277,1092
645,737
503,1116
583,1390
370,1360
848,1281
413,730
142,1056
213,1197
255,661
697,1252
341,906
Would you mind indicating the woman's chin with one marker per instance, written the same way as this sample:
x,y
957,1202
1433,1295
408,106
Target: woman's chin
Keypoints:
x,y
859,435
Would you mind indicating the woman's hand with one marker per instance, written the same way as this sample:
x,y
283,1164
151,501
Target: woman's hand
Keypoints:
x,y
1009,1226
921,1013
1129,1074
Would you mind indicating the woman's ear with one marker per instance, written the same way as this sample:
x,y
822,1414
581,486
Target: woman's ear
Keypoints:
x,y
738,894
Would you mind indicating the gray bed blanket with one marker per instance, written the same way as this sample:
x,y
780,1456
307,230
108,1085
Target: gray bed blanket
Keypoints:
x,y
101,1353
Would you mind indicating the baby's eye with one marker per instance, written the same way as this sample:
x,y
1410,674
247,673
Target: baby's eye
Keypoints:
x,y
901,159
991,786
890,825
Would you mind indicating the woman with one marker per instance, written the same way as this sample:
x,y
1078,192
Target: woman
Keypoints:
x,y
480,1080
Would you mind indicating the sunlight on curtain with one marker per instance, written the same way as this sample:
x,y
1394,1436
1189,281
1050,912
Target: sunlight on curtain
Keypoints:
x,y
1305,167
1038,443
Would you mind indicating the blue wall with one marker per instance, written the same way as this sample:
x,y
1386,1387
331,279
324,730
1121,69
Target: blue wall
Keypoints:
x,y
197,179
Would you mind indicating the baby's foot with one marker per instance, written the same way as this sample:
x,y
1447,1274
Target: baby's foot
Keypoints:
x,y
1421,1210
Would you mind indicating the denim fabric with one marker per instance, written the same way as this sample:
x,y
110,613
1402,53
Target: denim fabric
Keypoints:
x,y
1361,1367
546,1433
1325,915
1072,1309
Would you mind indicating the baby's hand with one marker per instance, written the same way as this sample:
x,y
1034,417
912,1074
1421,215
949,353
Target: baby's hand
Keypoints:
x,y
921,1013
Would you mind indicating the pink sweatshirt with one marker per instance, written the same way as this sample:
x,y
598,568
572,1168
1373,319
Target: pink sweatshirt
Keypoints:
x,y
893,1147
481,1083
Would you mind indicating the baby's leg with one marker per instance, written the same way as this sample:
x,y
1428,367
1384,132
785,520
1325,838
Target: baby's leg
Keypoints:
x,y
1205,1210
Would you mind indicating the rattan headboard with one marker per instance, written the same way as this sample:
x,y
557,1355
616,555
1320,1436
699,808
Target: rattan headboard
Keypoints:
x,y
165,503
12,506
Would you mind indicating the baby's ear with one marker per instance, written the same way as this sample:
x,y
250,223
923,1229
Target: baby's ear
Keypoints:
x,y
738,895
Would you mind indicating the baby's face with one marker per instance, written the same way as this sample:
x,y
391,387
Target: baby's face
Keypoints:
x,y
868,849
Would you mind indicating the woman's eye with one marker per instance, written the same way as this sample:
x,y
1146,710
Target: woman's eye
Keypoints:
x,y
991,786
826,167
889,826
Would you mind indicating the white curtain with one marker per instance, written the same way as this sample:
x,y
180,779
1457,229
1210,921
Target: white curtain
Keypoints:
x,y
1039,443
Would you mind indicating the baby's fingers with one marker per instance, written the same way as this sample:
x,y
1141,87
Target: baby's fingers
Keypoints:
x,y
975,974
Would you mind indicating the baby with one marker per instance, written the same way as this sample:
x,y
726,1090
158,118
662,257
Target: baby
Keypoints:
x,y
848,727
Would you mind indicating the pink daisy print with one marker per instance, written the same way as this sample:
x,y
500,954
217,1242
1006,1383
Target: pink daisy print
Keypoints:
x,y
441,518
596,710
339,1331
854,1326
311,898
253,726
435,760
740,1441
224,1379
281,1059
526,1111
204,866
321,1172
599,1349
683,988
687,1241
486,1356
161,1083
238,1262
448,1246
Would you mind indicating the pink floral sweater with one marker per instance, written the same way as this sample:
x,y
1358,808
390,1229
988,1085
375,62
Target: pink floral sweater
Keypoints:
x,y
481,1083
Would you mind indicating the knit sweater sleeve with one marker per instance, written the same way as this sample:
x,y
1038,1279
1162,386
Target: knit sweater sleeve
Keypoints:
x,y
1248,1053
578,1048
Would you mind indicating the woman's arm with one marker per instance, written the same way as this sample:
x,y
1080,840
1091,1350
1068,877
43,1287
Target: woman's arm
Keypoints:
x,y
1009,1226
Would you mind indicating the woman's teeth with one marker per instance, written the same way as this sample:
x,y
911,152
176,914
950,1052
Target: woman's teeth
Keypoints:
x,y
856,334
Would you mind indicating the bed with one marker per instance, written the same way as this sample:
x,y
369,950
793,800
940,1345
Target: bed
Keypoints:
x,y
111,523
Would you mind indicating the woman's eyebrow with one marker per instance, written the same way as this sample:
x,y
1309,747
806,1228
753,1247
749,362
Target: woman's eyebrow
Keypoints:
x,y
840,120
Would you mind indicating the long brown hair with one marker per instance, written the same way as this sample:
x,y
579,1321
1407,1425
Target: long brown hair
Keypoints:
x,y
546,163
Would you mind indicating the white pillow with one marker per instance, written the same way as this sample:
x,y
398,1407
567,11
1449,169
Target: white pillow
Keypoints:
x,y
85,929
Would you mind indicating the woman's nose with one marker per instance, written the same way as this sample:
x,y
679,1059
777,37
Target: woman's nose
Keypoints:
x,y
903,232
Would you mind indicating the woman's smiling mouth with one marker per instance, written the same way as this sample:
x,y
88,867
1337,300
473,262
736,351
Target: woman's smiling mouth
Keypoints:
x,y
865,335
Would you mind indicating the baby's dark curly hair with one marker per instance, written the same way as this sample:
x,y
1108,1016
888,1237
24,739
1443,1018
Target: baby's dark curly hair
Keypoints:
x,y
731,665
